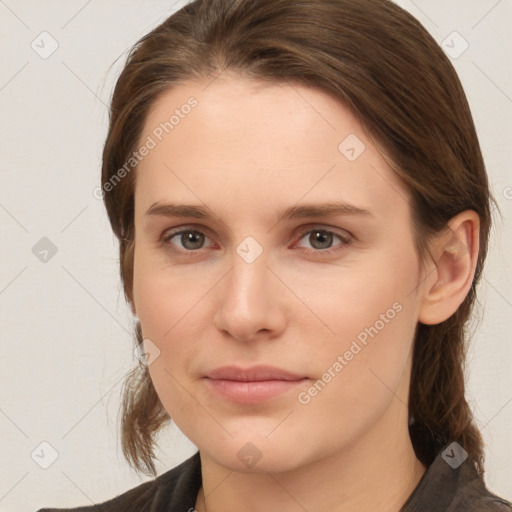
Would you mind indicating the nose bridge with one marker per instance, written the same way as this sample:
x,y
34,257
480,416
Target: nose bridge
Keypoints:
x,y
249,301
249,269
247,282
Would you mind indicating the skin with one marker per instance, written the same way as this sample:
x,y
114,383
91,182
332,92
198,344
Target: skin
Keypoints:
x,y
248,151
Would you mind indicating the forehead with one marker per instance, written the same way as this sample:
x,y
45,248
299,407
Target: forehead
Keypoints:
x,y
242,110
260,143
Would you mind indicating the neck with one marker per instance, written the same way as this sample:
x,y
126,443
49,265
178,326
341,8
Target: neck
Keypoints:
x,y
378,472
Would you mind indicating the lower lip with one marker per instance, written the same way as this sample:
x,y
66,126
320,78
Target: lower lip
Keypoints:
x,y
252,392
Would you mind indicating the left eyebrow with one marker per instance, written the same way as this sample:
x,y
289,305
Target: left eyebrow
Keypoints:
x,y
334,208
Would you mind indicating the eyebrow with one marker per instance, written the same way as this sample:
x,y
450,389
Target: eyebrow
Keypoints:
x,y
333,208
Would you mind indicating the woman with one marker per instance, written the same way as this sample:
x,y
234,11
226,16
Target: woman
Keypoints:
x,y
303,214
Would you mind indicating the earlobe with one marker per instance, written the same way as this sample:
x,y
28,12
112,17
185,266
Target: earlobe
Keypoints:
x,y
456,254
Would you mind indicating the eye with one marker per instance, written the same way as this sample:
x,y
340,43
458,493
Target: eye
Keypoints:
x,y
322,240
191,240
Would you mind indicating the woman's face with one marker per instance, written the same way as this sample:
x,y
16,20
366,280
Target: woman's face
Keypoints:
x,y
275,274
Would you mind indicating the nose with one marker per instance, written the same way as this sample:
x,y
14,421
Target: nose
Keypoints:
x,y
251,301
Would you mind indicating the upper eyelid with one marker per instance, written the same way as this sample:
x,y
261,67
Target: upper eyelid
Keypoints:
x,y
319,227
176,231
206,230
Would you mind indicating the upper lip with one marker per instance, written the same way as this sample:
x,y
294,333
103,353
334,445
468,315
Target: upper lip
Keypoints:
x,y
254,374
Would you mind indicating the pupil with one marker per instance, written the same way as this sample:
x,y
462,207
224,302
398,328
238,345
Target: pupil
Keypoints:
x,y
192,240
321,238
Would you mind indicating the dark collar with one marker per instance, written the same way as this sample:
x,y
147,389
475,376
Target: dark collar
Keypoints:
x,y
176,490
453,484
449,484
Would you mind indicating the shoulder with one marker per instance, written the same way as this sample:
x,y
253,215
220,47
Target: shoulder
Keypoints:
x,y
177,487
489,503
472,495
139,496
452,484
479,499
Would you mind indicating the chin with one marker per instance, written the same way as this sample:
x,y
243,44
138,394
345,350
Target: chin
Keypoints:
x,y
251,452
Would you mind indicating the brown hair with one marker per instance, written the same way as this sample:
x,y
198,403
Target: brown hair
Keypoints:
x,y
378,60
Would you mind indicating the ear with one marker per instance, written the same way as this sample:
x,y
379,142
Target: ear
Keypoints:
x,y
455,252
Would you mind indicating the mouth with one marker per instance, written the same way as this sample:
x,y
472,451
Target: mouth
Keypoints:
x,y
251,385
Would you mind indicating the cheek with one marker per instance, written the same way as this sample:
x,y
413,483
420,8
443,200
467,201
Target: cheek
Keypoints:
x,y
164,295
172,306
354,302
359,379
162,305
371,313
370,349
166,307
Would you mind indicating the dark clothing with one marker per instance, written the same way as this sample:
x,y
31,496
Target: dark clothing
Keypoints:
x,y
441,489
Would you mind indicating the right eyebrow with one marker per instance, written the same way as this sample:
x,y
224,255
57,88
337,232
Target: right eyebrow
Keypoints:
x,y
179,210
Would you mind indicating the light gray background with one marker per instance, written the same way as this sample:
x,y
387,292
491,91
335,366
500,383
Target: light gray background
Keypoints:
x,y
66,331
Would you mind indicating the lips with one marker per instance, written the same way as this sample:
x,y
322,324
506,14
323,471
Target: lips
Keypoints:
x,y
254,374
251,385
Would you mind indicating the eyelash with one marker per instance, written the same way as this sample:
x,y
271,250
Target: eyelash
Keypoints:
x,y
345,240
